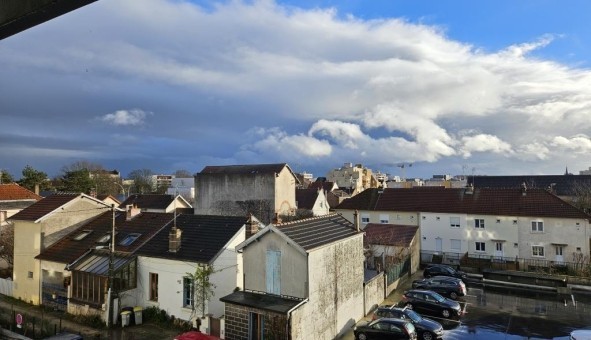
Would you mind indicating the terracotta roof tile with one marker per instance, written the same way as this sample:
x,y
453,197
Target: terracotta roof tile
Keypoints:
x,y
69,248
44,206
485,201
389,234
14,192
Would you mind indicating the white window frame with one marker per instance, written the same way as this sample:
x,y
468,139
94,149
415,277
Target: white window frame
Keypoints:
x,y
454,221
538,247
481,245
384,218
458,242
365,218
479,223
188,292
537,226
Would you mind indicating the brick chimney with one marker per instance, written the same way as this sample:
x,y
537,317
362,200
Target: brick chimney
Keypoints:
x,y
174,240
252,226
131,211
277,219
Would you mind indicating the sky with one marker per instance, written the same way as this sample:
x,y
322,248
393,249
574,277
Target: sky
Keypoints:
x,y
451,87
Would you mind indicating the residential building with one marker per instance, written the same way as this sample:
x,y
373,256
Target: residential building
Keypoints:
x,y
184,187
39,226
161,181
302,280
14,198
75,270
197,241
161,203
355,179
530,224
265,190
387,244
313,200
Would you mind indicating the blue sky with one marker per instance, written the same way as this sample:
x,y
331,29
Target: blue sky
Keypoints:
x,y
500,87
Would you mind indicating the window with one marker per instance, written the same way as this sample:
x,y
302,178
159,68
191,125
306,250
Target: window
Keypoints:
x,y
30,275
537,251
153,287
479,223
256,326
364,218
498,220
188,292
106,238
384,218
82,235
437,218
480,246
456,245
537,226
454,222
129,239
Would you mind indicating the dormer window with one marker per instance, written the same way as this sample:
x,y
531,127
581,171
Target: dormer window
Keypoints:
x,y
81,235
129,239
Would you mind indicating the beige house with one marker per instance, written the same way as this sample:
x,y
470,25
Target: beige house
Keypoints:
x,y
294,273
356,178
313,200
14,198
486,223
159,203
261,189
38,227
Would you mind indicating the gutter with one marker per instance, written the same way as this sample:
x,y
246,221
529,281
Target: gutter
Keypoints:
x,y
287,326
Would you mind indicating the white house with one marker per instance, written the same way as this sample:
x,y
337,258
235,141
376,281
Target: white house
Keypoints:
x,y
167,260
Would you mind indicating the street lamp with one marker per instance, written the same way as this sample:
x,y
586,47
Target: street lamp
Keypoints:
x,y
123,188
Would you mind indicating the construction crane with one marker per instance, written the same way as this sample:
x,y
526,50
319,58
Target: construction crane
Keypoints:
x,y
403,167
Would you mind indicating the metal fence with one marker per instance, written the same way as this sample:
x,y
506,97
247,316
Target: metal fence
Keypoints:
x,y
481,262
396,271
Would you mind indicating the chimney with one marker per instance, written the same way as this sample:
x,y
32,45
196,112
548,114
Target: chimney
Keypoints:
x,y
131,211
174,240
276,219
523,189
470,189
252,226
356,218
36,189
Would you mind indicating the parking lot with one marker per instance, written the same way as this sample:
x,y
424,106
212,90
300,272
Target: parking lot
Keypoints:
x,y
507,313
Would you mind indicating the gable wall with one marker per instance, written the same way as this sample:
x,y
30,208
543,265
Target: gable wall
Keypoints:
x,y
285,189
28,243
336,291
294,267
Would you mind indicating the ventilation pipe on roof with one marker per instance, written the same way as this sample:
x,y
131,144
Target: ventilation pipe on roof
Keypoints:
x,y
523,189
470,189
356,218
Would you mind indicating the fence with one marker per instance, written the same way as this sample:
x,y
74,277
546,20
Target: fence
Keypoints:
x,y
6,287
26,324
395,271
481,262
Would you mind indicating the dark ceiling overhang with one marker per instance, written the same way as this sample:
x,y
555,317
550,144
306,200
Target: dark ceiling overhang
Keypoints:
x,y
19,15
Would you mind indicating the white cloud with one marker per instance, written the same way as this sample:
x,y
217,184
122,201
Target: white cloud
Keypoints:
x,y
335,88
132,117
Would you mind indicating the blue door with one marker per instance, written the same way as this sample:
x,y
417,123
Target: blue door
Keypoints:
x,y
273,272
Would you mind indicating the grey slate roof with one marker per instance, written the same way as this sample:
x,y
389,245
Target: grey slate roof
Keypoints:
x,y
244,169
148,201
44,206
203,236
562,184
314,232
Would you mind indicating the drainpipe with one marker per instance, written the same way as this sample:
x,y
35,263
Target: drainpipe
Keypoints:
x,y
289,316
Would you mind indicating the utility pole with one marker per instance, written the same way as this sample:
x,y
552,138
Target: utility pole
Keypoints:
x,y
111,292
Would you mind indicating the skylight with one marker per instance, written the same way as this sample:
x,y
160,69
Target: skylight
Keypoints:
x,y
129,239
82,235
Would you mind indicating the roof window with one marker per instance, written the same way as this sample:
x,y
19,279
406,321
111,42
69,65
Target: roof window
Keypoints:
x,y
81,235
129,239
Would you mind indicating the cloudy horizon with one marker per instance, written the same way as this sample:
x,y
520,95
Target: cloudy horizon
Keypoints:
x,y
170,85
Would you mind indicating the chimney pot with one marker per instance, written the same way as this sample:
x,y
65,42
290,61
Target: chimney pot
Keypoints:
x,y
174,240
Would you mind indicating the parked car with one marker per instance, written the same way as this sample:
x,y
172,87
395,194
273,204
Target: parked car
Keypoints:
x,y
430,303
580,334
443,270
385,329
444,285
427,329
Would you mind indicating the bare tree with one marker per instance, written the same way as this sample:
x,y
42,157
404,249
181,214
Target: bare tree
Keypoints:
x,y
182,174
142,180
581,195
7,244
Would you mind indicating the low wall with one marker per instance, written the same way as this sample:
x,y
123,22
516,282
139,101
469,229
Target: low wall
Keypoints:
x,y
373,293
